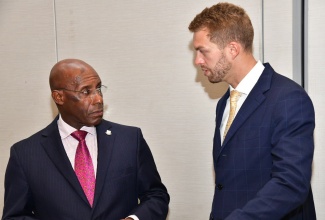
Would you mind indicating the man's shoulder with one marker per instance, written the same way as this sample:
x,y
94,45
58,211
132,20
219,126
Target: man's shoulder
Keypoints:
x,y
35,138
279,78
116,126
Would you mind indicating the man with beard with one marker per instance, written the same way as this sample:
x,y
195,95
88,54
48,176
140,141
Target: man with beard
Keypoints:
x,y
82,167
263,144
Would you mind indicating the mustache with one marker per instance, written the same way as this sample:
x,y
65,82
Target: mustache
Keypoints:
x,y
203,67
99,108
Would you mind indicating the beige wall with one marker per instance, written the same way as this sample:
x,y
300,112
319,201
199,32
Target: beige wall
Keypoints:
x,y
316,89
142,51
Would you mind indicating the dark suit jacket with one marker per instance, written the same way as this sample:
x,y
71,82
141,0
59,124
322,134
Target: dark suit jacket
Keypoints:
x,y
263,168
40,182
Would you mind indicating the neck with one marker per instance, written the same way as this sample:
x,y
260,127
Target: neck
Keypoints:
x,y
240,68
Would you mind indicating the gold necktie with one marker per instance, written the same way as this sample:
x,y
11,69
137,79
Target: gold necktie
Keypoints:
x,y
234,96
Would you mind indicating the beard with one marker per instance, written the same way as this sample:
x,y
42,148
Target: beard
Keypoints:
x,y
219,71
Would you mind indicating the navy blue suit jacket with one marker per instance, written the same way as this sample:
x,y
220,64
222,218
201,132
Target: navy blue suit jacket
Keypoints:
x,y
263,168
40,182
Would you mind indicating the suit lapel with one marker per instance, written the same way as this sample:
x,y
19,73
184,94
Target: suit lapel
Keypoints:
x,y
105,147
252,102
53,146
219,113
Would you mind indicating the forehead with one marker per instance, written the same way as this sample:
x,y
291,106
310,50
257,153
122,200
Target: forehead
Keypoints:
x,y
201,39
87,78
82,76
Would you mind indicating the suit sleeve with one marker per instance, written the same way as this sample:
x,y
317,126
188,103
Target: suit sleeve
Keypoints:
x,y
153,195
292,150
18,200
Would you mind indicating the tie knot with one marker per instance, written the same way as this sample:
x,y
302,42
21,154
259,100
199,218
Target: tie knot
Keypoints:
x,y
79,135
234,95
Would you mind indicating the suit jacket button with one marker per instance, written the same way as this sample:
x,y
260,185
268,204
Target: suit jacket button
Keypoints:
x,y
220,187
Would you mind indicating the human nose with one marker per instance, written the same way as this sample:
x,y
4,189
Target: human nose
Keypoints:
x,y
97,97
198,59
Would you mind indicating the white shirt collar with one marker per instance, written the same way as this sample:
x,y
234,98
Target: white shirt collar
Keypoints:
x,y
66,130
249,81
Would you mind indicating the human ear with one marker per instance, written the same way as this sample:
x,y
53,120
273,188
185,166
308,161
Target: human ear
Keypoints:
x,y
57,97
234,49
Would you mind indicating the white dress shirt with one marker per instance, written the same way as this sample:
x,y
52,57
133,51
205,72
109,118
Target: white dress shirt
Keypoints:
x,y
244,87
70,144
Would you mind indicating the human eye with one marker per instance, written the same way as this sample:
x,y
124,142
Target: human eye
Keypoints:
x,y
85,91
204,51
99,90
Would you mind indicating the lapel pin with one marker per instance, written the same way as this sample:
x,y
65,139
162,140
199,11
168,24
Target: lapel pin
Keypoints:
x,y
108,132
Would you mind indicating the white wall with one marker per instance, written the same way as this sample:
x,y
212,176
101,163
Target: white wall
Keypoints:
x,y
142,51
278,36
316,89
27,52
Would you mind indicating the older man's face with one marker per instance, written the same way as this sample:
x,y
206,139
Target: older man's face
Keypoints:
x,y
83,101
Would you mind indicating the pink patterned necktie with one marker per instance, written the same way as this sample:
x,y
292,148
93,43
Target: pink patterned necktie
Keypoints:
x,y
84,166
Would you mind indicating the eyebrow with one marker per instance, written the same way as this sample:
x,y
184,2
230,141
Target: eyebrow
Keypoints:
x,y
87,86
199,48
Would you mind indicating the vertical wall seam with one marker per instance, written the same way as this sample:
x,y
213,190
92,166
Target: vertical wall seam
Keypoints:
x,y
297,41
55,33
262,30
305,44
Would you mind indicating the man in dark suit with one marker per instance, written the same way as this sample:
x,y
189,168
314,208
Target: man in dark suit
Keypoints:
x,y
263,143
115,178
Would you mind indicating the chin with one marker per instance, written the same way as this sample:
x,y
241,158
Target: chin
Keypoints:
x,y
215,80
95,122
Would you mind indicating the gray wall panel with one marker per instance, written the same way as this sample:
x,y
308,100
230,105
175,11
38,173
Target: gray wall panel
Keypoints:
x,y
27,52
316,89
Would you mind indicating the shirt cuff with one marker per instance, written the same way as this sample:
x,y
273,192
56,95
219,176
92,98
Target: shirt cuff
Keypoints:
x,y
134,217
